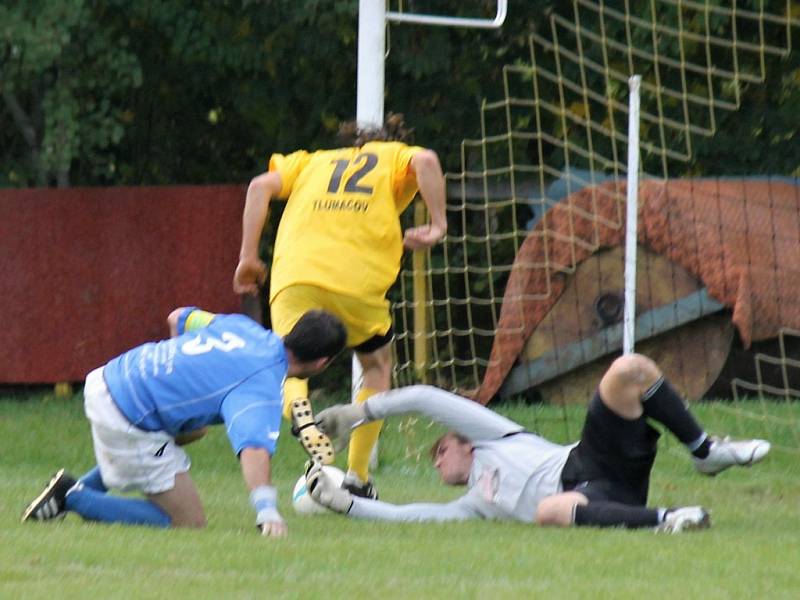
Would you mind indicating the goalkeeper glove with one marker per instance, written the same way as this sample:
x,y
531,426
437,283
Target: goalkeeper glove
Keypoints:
x,y
325,492
338,421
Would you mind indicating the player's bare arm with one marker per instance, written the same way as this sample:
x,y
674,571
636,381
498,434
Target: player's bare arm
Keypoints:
x,y
256,470
251,272
426,167
172,321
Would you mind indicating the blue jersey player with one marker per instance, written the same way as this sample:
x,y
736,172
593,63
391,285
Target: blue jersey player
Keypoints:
x,y
148,402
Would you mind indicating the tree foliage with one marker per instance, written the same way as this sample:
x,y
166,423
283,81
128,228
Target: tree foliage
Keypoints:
x,y
63,83
201,91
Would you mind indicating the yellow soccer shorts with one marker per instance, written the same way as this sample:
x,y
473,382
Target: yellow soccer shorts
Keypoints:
x,y
363,318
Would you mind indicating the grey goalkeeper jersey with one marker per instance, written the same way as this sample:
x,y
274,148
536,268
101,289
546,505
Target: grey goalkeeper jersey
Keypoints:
x,y
512,470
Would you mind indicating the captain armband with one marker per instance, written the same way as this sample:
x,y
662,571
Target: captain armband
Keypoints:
x,y
198,319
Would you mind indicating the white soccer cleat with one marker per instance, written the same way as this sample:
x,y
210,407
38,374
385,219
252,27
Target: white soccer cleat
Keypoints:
x,y
725,452
686,518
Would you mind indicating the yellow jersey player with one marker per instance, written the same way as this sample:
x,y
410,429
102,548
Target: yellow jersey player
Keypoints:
x,y
338,247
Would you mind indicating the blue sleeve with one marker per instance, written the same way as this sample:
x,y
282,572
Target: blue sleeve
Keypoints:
x,y
252,415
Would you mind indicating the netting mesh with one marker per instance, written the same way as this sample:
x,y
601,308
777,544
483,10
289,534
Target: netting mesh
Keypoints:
x,y
558,139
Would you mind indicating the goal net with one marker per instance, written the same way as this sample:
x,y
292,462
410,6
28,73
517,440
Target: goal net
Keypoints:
x,y
525,295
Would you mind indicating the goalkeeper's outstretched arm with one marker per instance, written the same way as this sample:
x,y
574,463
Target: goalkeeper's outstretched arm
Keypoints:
x,y
326,492
458,510
470,419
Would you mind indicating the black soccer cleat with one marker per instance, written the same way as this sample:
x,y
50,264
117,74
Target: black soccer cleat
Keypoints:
x,y
50,503
356,487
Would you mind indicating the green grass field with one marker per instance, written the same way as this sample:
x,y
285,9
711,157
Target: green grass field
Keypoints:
x,y
752,550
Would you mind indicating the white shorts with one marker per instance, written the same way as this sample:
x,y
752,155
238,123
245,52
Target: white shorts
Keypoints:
x,y
129,458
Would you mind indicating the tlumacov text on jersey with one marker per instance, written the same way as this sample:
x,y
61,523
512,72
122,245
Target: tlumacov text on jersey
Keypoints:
x,y
342,205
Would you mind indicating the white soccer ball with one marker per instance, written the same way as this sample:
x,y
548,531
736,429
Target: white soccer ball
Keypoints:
x,y
303,503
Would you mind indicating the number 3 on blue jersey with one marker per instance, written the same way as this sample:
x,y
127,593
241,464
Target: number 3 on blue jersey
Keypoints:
x,y
230,341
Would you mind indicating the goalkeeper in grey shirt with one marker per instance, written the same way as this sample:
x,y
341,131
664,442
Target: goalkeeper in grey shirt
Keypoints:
x,y
602,480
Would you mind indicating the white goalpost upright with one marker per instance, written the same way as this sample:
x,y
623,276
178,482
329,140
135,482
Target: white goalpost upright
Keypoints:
x,y
372,22
632,206
371,62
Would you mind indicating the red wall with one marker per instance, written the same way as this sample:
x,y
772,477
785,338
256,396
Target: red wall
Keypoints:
x,y
86,273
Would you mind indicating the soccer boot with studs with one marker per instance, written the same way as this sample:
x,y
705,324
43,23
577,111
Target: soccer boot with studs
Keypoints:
x,y
49,504
314,442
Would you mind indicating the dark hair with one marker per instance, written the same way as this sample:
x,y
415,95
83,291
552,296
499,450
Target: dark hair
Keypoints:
x,y
447,436
393,130
318,334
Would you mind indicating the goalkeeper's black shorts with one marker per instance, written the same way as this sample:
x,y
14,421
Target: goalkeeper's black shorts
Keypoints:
x,y
613,459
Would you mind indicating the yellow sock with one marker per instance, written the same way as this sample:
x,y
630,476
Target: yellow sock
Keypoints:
x,y
363,440
293,388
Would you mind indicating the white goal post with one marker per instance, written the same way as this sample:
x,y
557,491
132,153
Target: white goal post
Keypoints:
x,y
372,20
632,208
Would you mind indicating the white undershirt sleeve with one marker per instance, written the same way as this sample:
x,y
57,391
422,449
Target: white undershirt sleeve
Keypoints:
x,y
469,418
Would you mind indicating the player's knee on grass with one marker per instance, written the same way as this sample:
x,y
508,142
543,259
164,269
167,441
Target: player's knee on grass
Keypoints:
x,y
558,510
183,518
182,503
189,520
